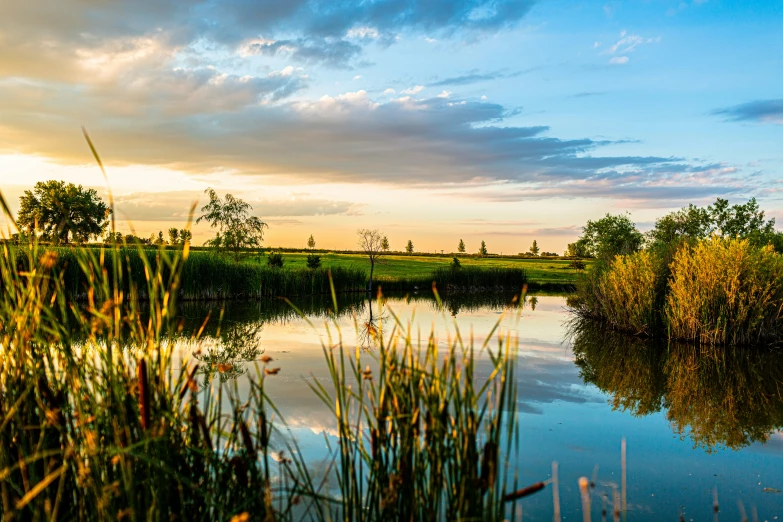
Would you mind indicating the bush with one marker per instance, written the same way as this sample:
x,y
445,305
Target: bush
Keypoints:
x,y
313,261
275,260
577,264
455,263
627,292
725,291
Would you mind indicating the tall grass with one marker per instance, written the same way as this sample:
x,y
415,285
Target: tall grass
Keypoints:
x,y
725,292
716,292
424,438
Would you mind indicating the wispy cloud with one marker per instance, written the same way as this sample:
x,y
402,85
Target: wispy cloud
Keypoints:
x,y
476,77
761,111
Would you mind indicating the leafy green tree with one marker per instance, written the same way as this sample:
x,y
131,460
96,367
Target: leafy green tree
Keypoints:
x,y
110,238
185,235
577,249
237,229
174,236
611,236
483,249
461,247
311,243
534,248
61,212
385,244
455,264
409,247
159,240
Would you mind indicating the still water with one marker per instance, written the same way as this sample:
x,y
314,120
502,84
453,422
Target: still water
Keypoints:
x,y
693,422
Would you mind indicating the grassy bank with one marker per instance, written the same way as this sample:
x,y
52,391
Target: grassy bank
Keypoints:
x,y
715,292
208,276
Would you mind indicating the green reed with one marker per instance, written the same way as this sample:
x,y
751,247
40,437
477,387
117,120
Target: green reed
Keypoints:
x,y
716,292
461,280
421,435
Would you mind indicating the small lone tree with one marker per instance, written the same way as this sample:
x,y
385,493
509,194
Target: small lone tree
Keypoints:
x,y
483,249
311,242
237,229
61,212
409,247
385,244
185,235
534,248
371,243
461,247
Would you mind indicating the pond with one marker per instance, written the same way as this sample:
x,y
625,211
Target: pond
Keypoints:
x,y
692,421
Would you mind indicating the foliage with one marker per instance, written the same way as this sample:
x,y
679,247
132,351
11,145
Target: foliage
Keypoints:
x,y
725,291
577,264
455,263
534,248
690,224
461,247
313,261
275,260
237,229
578,248
483,249
385,244
610,236
61,212
311,242
409,247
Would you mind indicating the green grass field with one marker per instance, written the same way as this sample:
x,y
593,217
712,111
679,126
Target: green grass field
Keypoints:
x,y
539,271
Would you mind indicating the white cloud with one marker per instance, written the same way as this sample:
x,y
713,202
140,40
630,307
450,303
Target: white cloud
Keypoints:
x,y
430,40
444,94
596,45
414,90
619,60
628,43
357,77
484,97
389,92
363,32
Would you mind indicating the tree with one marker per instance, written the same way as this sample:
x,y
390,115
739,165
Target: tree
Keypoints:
x,y
577,249
611,236
385,244
159,240
483,249
534,248
237,229
311,242
60,212
461,247
409,247
371,243
173,236
110,238
185,235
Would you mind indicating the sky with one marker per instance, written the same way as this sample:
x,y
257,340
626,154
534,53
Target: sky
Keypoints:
x,y
431,120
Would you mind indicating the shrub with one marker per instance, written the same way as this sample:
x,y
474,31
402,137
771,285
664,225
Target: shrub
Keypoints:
x,y
577,264
275,260
725,291
455,263
313,261
627,292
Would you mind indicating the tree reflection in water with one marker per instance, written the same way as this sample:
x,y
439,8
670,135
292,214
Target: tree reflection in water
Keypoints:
x,y
724,397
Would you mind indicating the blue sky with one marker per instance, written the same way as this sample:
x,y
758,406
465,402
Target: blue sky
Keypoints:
x,y
432,120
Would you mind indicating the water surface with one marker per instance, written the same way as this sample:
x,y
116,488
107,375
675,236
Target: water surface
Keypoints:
x,y
693,421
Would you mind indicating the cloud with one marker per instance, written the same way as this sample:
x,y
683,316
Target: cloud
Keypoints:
x,y
444,94
350,138
173,206
628,43
761,111
414,90
619,60
476,77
